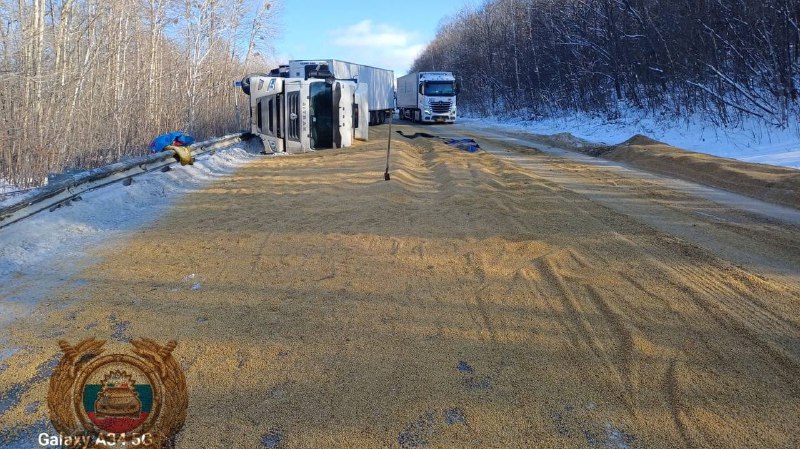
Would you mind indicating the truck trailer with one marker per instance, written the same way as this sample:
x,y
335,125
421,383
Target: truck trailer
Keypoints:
x,y
380,81
428,97
293,115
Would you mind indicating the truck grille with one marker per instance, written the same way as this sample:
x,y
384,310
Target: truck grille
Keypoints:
x,y
293,124
440,107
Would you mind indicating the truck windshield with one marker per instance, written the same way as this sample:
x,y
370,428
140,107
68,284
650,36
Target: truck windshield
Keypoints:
x,y
440,89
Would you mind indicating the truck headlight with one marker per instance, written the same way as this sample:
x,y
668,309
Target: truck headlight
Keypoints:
x,y
427,112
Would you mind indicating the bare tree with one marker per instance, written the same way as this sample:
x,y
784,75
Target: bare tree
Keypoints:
x,y
729,59
85,82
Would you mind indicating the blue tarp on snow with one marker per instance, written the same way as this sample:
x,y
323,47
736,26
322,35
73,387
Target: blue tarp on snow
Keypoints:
x,y
176,138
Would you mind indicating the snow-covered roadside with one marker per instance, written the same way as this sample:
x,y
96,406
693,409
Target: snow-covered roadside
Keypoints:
x,y
49,248
751,142
8,189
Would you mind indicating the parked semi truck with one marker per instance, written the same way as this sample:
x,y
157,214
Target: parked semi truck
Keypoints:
x,y
380,81
293,115
428,97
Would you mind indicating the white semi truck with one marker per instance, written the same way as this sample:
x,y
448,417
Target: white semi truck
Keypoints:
x,y
428,97
380,81
293,115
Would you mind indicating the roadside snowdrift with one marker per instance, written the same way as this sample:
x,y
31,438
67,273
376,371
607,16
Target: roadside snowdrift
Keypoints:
x,y
57,242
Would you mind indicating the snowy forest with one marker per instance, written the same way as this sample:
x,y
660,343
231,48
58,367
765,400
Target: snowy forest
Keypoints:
x,y
725,60
86,82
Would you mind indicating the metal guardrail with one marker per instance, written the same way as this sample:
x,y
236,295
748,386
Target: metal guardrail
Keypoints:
x,y
51,196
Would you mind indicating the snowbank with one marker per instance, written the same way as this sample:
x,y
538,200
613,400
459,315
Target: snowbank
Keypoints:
x,y
750,142
45,250
8,189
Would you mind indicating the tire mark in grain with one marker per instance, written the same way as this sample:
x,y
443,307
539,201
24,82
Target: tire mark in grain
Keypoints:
x,y
478,304
713,301
672,387
626,348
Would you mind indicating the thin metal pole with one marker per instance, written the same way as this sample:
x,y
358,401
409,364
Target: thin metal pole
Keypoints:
x,y
386,176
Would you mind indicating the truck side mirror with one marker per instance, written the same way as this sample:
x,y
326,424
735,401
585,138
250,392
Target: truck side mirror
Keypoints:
x,y
421,85
458,88
245,85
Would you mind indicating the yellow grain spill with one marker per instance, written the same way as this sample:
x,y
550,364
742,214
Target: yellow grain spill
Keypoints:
x,y
465,303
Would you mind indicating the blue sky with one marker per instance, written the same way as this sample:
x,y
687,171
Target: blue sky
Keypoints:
x,y
387,34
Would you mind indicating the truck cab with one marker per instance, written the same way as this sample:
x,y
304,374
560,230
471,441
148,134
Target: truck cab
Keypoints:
x,y
428,97
380,82
293,115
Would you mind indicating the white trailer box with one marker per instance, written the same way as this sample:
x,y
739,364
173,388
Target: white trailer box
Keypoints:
x,y
380,81
427,97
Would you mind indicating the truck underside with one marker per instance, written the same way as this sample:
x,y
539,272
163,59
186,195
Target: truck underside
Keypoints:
x,y
378,117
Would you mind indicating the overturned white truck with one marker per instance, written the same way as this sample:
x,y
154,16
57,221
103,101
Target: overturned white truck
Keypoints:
x,y
296,115
380,82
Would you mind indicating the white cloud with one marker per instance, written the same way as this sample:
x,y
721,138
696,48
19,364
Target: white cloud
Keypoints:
x,y
368,34
410,52
378,45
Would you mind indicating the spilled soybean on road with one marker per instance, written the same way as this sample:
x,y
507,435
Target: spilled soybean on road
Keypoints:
x,y
473,301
